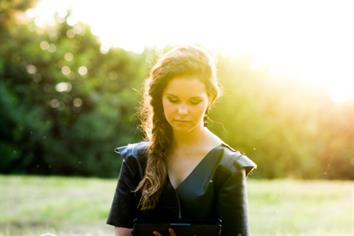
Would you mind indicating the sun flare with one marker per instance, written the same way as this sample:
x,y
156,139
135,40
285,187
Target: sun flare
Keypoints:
x,y
312,41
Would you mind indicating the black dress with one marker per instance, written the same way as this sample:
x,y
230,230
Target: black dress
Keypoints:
x,y
215,189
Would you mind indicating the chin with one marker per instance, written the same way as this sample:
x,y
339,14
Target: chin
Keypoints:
x,y
185,129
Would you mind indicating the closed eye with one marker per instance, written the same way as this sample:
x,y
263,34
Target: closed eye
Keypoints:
x,y
192,101
195,102
172,100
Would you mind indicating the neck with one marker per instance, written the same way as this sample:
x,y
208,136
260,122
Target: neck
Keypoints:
x,y
182,139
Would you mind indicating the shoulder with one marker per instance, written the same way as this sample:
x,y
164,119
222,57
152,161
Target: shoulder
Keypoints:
x,y
134,157
134,152
232,161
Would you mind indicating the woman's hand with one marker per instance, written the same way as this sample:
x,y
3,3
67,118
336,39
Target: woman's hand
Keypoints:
x,y
170,230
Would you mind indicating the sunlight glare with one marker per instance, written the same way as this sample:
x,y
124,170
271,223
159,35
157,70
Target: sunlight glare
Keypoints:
x,y
311,41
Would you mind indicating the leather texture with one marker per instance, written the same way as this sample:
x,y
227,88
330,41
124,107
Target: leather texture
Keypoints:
x,y
215,189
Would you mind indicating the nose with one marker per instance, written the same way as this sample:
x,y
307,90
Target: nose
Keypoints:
x,y
182,109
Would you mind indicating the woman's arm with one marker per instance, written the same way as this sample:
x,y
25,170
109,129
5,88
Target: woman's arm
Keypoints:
x,y
123,207
232,205
121,231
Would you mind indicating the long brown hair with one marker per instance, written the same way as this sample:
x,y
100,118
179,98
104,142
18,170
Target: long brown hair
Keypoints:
x,y
181,61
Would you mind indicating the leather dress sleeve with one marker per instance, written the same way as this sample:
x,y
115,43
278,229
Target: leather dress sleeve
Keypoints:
x,y
232,203
123,208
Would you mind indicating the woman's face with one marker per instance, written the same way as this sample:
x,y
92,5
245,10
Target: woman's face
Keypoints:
x,y
185,102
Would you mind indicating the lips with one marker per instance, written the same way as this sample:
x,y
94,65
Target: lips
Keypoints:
x,y
183,121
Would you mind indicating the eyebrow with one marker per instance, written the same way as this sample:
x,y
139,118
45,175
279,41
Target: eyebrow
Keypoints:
x,y
195,97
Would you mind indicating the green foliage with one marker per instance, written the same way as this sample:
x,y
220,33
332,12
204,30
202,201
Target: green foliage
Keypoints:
x,y
9,9
288,129
65,105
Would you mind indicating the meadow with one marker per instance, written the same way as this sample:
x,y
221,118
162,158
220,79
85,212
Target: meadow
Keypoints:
x,y
31,205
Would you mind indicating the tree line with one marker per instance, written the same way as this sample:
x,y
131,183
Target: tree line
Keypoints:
x,y
65,103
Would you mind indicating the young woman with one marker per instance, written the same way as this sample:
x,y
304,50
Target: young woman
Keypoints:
x,y
182,170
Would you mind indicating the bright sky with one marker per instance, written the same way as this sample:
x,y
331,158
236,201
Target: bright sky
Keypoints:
x,y
311,40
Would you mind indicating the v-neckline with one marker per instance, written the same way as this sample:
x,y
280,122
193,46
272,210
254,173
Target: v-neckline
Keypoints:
x,y
194,169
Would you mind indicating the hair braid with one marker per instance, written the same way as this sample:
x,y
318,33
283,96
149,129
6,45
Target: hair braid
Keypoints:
x,y
180,61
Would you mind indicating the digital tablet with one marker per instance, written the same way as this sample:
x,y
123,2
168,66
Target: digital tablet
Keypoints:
x,y
181,228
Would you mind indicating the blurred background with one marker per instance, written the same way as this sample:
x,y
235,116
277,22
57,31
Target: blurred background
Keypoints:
x,y
71,77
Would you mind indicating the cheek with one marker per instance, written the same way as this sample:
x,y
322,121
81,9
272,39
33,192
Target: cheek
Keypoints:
x,y
199,110
167,108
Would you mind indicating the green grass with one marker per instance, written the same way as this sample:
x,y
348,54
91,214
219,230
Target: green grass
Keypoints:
x,y
67,206
311,208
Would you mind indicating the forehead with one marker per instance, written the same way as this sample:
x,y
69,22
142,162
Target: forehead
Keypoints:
x,y
184,86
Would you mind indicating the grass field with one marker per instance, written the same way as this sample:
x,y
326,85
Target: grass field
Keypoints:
x,y
79,206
